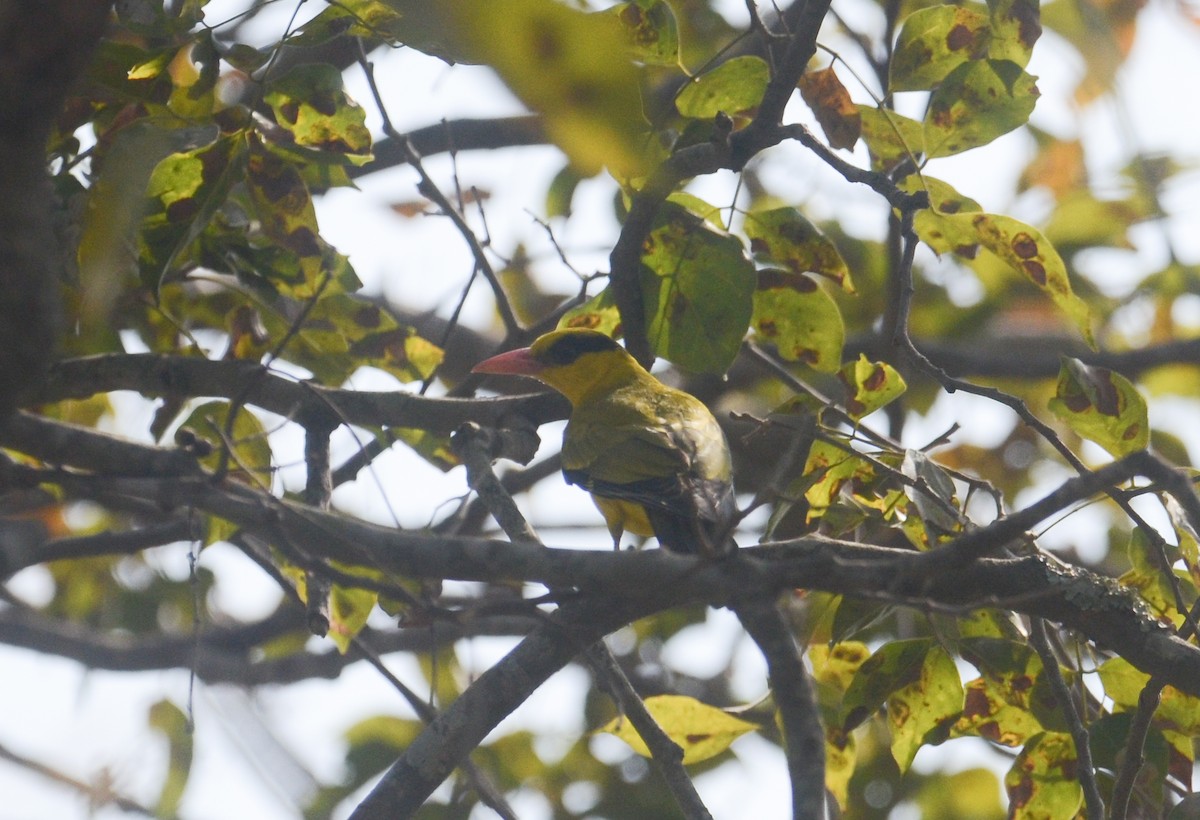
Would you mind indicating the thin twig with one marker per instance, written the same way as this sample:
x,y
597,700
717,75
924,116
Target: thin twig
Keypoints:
x,y
1072,711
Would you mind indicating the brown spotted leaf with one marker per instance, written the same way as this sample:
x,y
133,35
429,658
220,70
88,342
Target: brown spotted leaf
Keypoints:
x,y
1101,405
976,103
956,225
935,41
1042,781
702,731
783,236
869,385
651,31
799,319
309,102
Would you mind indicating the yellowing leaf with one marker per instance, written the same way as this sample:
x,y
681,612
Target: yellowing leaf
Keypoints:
x,y
920,684
309,102
1042,781
1103,406
799,319
841,753
956,225
836,665
702,731
869,385
977,102
734,87
349,608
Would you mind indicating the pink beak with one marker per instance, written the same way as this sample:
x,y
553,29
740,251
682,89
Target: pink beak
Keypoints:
x,y
518,362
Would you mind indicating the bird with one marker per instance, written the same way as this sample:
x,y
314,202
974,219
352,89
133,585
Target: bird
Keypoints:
x,y
653,458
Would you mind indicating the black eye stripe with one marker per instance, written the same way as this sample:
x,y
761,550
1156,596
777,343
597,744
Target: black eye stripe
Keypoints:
x,y
571,346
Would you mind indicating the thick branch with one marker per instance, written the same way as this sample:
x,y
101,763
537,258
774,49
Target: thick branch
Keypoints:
x,y
154,376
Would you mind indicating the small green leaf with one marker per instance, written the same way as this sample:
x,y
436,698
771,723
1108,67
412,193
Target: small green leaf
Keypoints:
x,y
349,608
651,31
698,287
783,236
977,102
869,385
734,87
1101,405
700,730
1042,781
799,319
169,719
933,42
827,469
598,313
562,191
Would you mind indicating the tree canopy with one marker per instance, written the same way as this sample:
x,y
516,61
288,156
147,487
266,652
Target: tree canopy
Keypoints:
x,y
968,517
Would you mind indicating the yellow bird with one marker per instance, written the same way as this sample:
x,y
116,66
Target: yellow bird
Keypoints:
x,y
653,457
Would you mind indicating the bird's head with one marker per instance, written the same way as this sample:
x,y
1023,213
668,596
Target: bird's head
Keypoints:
x,y
573,361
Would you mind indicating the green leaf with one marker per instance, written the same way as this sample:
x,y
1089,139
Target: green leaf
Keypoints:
x,y
1042,781
562,191
702,731
921,686
976,103
186,191
1101,405
784,237
249,458
342,333
827,469
972,793
794,314
890,137
935,41
169,719
734,87
869,385
698,287
651,31
598,313
349,608
353,18
572,68
309,102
